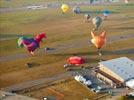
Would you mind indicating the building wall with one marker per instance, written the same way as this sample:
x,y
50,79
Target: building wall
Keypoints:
x,y
106,70
105,79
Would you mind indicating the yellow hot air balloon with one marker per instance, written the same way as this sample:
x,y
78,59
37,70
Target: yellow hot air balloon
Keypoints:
x,y
64,8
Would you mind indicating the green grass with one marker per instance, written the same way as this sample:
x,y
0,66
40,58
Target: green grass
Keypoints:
x,y
60,29
16,22
46,65
65,89
89,51
19,64
20,18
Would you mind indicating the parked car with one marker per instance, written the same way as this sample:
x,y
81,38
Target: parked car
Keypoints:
x,y
88,83
95,88
80,78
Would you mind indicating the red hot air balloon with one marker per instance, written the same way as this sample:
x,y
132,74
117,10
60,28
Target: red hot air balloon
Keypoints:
x,y
98,41
75,60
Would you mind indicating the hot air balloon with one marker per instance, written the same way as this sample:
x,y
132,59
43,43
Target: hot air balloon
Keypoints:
x,y
75,60
97,22
31,44
76,9
98,41
87,17
105,14
64,8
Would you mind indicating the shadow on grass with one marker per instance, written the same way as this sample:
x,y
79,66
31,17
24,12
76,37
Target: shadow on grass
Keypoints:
x,y
119,52
77,54
96,12
92,60
87,59
124,28
31,64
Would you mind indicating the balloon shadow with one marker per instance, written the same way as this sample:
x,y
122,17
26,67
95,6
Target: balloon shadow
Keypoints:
x,y
91,60
31,64
125,28
119,52
96,12
77,54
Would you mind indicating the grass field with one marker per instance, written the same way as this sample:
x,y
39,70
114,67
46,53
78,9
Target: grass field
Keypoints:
x,y
62,30
25,23
64,91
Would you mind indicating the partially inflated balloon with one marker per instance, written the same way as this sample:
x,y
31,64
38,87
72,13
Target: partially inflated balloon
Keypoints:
x,y
98,41
64,8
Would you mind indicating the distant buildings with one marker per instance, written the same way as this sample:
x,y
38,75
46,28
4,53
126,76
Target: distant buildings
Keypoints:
x,y
116,72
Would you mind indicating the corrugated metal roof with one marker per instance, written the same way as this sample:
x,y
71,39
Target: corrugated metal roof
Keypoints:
x,y
123,67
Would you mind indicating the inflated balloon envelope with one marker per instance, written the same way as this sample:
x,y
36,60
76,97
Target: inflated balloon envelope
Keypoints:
x,y
106,12
97,22
75,60
40,36
31,44
76,9
98,41
64,8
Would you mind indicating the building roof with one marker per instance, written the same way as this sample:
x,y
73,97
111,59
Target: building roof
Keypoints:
x,y
123,67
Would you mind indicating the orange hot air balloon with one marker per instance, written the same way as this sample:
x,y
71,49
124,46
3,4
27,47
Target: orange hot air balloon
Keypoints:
x,y
98,41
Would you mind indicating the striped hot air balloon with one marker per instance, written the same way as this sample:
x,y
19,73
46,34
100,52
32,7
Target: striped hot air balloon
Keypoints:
x,y
97,22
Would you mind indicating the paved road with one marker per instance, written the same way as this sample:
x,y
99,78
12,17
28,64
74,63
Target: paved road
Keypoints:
x,y
78,44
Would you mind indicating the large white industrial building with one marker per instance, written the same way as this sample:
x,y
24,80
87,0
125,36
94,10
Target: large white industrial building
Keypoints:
x,y
117,71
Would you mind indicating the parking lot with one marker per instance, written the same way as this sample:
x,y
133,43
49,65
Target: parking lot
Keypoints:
x,y
89,74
